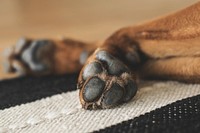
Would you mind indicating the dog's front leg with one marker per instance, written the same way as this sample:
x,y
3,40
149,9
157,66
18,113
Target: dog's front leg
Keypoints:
x,y
151,49
47,56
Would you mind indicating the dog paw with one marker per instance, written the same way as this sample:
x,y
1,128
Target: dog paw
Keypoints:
x,y
105,82
29,57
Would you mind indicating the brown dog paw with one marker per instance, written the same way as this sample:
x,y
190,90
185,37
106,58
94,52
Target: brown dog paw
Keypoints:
x,y
29,57
105,82
43,57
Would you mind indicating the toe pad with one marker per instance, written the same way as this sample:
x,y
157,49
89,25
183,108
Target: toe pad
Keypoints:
x,y
93,89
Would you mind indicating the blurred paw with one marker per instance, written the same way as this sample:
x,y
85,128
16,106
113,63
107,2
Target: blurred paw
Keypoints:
x,y
29,57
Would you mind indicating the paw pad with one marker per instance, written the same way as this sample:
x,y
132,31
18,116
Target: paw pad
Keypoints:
x,y
92,69
105,82
90,92
113,95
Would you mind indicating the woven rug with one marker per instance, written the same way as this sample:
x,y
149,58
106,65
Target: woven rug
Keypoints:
x,y
51,104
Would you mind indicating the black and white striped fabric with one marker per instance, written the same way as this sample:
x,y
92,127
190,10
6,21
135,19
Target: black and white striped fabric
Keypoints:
x,y
51,104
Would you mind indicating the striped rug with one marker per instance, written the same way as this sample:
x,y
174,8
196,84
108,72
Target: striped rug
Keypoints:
x,y
51,105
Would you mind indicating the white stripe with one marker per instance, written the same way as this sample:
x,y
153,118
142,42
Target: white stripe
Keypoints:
x,y
62,113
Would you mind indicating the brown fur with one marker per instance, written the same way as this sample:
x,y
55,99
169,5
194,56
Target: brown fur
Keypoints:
x,y
165,48
67,54
171,44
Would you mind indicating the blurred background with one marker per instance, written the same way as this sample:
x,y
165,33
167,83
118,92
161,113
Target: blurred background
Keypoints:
x,y
87,20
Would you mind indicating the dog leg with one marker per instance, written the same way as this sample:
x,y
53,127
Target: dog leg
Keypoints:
x,y
184,69
109,76
42,57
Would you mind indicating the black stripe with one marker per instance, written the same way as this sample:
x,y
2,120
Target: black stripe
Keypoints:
x,y
179,117
27,89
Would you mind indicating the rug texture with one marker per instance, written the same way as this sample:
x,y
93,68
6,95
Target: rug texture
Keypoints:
x,y
51,104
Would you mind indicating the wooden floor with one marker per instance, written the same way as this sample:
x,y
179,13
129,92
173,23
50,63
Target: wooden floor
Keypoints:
x,y
81,19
